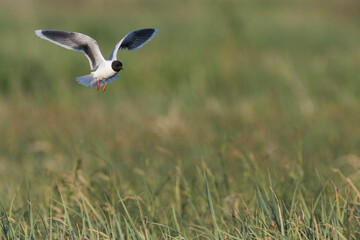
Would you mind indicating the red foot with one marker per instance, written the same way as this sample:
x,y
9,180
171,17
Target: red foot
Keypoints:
x,y
98,86
105,86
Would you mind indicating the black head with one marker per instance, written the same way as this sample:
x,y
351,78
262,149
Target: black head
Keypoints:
x,y
116,66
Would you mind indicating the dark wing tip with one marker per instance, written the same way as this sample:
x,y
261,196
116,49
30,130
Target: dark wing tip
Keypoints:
x,y
138,38
55,34
147,31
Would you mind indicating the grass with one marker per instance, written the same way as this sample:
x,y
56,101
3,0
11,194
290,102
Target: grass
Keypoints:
x,y
201,214
237,121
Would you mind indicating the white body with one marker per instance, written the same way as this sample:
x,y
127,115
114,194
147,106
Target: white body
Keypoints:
x,y
104,71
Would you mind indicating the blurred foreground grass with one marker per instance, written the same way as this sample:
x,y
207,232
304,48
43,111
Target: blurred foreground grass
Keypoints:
x,y
262,97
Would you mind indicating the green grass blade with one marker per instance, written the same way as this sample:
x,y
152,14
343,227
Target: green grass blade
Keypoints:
x,y
211,208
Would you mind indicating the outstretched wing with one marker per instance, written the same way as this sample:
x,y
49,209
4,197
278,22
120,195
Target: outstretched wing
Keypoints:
x,y
134,40
77,42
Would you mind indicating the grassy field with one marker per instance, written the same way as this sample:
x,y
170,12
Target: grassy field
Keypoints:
x,y
239,120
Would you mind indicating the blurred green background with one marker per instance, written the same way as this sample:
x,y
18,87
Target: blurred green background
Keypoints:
x,y
245,88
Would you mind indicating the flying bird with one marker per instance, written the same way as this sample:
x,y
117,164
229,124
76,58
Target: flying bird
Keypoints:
x,y
104,71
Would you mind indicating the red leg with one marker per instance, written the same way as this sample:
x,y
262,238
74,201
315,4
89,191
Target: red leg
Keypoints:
x,y
105,86
98,86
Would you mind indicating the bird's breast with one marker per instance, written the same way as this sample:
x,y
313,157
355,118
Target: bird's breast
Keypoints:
x,y
103,73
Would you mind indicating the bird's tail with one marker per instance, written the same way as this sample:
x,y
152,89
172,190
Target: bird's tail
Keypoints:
x,y
87,80
109,80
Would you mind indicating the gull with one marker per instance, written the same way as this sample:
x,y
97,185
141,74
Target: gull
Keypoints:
x,y
104,71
